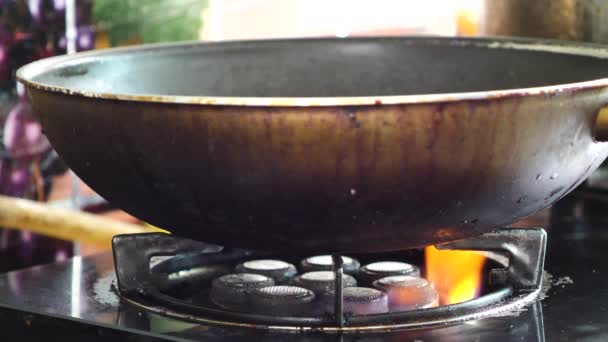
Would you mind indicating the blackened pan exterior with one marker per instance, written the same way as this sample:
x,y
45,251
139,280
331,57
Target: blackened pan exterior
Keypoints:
x,y
332,178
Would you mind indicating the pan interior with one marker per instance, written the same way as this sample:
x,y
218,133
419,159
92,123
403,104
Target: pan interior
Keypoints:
x,y
319,68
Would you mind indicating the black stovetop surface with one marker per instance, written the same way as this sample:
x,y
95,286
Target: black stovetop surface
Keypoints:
x,y
73,299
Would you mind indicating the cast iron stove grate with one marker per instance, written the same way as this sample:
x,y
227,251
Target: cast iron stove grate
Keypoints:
x,y
515,280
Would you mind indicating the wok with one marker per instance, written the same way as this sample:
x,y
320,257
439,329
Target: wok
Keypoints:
x,y
329,145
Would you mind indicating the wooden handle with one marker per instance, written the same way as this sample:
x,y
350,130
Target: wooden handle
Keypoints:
x,y
62,223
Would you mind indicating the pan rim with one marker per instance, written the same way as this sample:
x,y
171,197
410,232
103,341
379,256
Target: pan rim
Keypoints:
x,y
26,73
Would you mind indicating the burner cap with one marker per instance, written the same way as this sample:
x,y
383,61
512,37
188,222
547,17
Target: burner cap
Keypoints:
x,y
282,300
408,293
359,301
231,290
322,281
324,263
376,270
278,270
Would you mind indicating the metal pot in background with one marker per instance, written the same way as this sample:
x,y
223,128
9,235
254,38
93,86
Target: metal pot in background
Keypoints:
x,y
581,20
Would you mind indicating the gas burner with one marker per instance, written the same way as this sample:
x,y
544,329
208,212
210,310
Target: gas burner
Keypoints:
x,y
381,269
232,290
321,282
408,292
282,300
325,263
278,270
209,284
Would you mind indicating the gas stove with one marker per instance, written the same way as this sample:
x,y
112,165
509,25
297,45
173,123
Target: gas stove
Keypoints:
x,y
161,287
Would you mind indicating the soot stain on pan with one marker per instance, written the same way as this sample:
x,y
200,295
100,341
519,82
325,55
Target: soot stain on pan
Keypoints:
x,y
352,116
435,124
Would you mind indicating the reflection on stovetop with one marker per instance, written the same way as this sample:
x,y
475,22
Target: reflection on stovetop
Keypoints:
x,y
20,249
74,298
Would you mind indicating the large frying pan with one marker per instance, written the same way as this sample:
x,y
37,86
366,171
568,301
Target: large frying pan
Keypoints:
x,y
329,145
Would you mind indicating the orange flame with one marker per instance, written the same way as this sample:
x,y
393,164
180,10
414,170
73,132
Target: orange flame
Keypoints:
x,y
455,274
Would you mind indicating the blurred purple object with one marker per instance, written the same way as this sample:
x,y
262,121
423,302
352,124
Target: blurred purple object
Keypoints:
x,y
6,36
23,137
36,8
85,38
4,165
59,7
83,12
48,15
19,175
61,255
6,40
20,180
4,65
17,254
63,42
29,30
15,178
26,236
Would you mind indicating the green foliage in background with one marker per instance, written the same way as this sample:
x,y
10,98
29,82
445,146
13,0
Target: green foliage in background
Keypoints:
x,y
150,21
